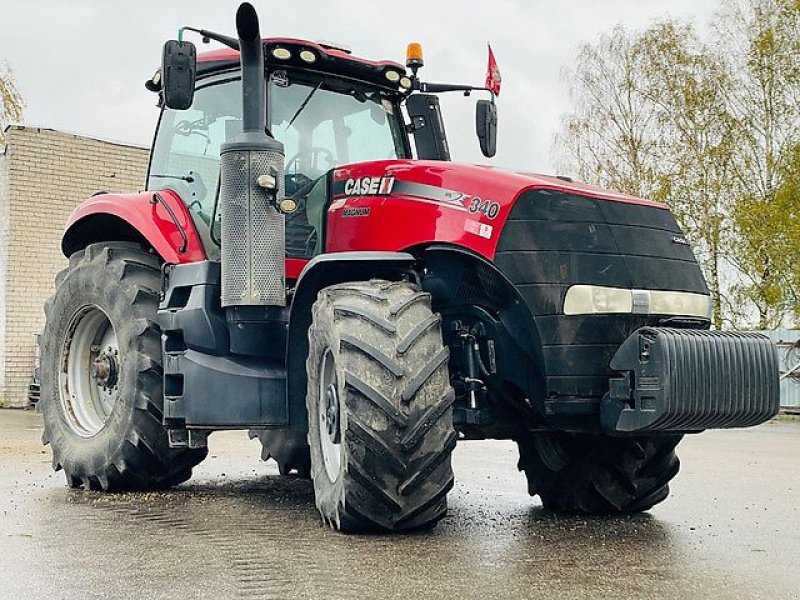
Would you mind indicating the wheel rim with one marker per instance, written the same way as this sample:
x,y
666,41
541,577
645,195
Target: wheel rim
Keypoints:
x,y
330,434
90,371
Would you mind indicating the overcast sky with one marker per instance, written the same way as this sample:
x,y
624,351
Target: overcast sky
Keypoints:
x,y
81,64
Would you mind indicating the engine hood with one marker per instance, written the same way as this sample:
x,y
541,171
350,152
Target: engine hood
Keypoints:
x,y
477,180
446,202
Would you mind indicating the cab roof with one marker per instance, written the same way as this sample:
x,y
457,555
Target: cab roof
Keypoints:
x,y
326,59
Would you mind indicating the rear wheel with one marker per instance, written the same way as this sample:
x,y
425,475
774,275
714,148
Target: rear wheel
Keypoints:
x,y
101,389
599,474
379,408
288,448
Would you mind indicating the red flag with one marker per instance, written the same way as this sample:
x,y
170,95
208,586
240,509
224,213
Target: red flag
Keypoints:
x,y
493,74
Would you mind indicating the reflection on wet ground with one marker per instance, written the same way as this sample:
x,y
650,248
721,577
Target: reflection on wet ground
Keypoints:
x,y
239,530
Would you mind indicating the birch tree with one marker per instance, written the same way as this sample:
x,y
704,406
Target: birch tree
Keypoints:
x,y
612,136
759,41
649,119
686,83
713,129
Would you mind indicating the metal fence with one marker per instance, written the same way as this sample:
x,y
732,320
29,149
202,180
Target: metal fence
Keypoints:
x,y
788,344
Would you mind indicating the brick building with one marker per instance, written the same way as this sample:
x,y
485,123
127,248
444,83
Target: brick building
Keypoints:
x,y
44,174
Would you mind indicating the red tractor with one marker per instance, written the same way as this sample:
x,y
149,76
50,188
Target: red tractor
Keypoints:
x,y
293,270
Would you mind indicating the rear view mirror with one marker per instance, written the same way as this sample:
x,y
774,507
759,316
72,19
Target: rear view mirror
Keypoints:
x,y
486,126
178,68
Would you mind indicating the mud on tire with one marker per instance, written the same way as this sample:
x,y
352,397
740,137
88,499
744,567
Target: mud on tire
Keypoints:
x,y
599,474
379,346
130,450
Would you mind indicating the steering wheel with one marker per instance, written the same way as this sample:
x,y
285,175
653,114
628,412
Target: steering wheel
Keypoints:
x,y
294,183
313,153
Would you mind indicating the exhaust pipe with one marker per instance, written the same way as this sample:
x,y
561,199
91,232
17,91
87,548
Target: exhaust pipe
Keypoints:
x,y
254,103
251,182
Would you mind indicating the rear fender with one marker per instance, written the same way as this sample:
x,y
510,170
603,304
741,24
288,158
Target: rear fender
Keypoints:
x,y
322,271
138,218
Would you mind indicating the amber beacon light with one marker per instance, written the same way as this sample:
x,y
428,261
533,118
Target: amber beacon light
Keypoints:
x,y
414,57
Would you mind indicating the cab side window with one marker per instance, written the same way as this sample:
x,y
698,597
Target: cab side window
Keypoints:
x,y
186,150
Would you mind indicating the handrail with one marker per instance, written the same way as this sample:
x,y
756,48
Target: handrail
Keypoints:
x,y
157,199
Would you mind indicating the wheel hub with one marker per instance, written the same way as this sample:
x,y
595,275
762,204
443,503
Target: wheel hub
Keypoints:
x,y
330,420
332,412
104,368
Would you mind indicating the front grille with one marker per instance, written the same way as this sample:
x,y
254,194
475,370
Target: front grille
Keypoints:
x,y
553,240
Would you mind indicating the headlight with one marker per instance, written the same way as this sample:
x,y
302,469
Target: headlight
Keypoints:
x,y
679,303
595,299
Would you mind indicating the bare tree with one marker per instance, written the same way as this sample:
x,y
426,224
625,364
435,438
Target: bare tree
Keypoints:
x,y
612,135
11,103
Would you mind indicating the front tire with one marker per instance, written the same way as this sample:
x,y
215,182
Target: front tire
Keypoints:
x,y
101,388
379,408
599,474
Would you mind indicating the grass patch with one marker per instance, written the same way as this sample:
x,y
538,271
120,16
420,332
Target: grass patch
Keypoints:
x,y
786,418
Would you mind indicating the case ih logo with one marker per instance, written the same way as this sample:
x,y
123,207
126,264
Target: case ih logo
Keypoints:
x,y
369,186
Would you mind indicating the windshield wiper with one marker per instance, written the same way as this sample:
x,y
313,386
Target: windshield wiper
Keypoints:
x,y
305,102
186,178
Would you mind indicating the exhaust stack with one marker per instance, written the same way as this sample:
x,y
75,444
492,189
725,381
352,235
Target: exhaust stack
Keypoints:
x,y
251,182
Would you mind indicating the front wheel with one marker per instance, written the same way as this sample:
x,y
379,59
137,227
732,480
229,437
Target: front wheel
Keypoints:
x,y
379,408
599,474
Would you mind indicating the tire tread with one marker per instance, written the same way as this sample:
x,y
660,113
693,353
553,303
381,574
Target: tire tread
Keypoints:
x,y
143,459
399,436
603,475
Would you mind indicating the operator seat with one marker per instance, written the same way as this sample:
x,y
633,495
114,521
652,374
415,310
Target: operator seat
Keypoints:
x,y
303,226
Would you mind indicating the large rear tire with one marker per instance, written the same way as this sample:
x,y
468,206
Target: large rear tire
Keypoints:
x,y
101,393
599,475
379,408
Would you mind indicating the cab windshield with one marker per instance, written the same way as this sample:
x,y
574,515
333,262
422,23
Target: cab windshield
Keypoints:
x,y
323,122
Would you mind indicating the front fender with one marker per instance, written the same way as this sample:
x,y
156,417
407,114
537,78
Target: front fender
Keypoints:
x,y
135,217
461,284
322,271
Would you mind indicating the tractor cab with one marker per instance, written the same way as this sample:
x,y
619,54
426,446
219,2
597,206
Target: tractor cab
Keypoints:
x,y
326,107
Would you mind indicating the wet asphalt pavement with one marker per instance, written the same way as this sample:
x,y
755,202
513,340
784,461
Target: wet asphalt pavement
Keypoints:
x,y
238,530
